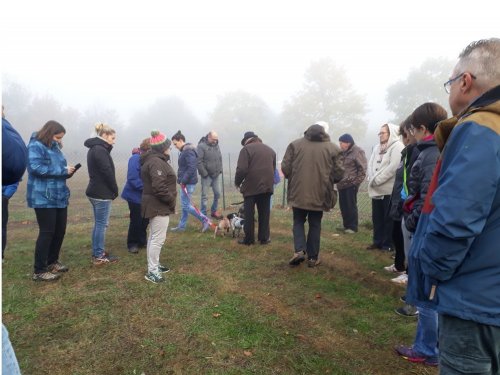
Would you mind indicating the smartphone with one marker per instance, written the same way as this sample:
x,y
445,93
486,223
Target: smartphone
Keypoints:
x,y
77,166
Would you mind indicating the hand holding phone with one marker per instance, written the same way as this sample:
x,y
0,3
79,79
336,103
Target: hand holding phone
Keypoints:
x,y
77,166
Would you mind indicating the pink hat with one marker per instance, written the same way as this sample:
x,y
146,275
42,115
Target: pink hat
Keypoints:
x,y
157,138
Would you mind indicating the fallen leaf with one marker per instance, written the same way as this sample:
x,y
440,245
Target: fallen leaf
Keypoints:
x,y
216,315
317,296
247,353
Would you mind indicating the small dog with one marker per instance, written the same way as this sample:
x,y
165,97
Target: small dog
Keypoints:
x,y
236,223
223,227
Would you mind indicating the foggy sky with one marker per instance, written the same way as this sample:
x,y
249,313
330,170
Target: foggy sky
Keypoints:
x,y
125,55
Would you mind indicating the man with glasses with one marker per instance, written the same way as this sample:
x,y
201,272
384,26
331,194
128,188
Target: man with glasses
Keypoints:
x,y
459,257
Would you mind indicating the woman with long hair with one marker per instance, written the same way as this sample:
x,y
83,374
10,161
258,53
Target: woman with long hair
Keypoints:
x,y
102,188
48,194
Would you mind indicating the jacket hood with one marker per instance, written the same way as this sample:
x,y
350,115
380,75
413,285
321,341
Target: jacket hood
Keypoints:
x,y
422,145
91,142
393,133
188,146
316,133
491,102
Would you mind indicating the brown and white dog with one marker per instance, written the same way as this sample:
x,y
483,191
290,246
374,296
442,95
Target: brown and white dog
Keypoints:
x,y
223,227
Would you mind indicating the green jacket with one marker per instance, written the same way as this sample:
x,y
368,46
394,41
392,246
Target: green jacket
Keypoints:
x,y
312,166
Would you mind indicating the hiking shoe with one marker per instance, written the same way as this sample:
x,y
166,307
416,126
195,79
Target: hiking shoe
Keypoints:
x,y
205,227
409,354
392,268
297,258
154,277
177,229
311,263
104,259
217,215
46,276
57,267
349,231
431,361
133,250
163,269
403,298
401,279
373,247
407,311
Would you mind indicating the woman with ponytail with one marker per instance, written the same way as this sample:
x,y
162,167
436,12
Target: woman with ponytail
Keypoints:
x,y
102,188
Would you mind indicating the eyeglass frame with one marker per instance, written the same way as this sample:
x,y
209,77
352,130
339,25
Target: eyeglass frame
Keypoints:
x,y
447,84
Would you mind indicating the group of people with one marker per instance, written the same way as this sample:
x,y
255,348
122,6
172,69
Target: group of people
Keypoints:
x,y
434,185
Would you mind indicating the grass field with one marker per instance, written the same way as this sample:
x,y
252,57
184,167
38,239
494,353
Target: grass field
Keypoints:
x,y
226,308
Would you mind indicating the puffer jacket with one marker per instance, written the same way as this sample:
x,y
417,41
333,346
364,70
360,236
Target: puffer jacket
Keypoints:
x,y
382,172
312,166
353,161
188,161
255,169
101,169
47,174
159,185
209,158
454,260
418,183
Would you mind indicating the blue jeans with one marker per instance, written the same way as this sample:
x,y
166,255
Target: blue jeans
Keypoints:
x,y
102,210
9,360
206,183
426,339
188,208
468,347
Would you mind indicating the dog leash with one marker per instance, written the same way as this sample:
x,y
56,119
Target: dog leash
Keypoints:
x,y
184,189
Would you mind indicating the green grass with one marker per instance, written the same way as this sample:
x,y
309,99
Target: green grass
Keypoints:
x,y
226,308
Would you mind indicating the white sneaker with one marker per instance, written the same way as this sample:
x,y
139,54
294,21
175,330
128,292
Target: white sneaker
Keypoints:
x,y
401,279
392,268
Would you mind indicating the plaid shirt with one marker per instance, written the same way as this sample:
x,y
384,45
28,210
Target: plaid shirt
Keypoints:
x,y
48,172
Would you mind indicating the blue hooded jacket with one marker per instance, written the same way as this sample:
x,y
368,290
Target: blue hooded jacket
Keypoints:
x,y
187,173
132,192
47,174
454,260
14,154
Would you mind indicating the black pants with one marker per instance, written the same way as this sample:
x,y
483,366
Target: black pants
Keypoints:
x,y
382,222
137,235
348,201
399,246
52,225
263,202
310,244
5,220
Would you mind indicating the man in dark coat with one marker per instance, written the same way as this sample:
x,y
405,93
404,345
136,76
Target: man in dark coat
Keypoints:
x,y
255,179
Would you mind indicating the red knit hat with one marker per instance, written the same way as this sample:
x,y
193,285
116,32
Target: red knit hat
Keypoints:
x,y
157,138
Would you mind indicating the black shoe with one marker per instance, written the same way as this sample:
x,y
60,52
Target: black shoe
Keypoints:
x,y
133,250
408,311
244,242
265,242
373,247
297,258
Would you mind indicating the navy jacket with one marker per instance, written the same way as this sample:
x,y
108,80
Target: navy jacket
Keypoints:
x,y
14,154
187,174
132,191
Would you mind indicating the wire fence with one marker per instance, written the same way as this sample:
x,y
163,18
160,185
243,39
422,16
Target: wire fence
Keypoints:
x,y
80,208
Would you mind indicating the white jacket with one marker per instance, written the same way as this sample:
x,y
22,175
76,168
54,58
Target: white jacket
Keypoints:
x,y
381,175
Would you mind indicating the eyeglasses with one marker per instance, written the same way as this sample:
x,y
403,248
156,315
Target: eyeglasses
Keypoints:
x,y
412,130
447,84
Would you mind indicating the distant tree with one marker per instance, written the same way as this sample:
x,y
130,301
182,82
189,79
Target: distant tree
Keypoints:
x,y
327,95
168,115
423,84
238,112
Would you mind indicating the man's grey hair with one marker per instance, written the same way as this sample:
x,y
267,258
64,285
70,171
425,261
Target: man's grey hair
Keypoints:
x,y
482,59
